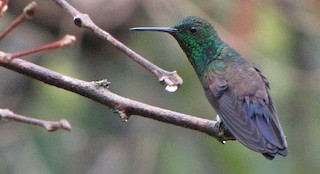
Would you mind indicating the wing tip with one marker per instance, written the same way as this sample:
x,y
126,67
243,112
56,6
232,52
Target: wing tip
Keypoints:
x,y
270,155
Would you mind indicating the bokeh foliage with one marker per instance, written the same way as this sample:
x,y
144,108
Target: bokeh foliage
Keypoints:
x,y
281,36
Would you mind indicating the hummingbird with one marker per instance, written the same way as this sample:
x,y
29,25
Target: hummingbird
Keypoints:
x,y
234,86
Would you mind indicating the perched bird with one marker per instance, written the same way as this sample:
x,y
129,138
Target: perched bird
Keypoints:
x,y
235,87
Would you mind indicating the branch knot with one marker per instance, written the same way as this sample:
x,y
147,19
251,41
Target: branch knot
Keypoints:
x,y
77,21
122,114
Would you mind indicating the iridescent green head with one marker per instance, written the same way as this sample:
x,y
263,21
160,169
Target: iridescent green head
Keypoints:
x,y
193,29
196,37
189,31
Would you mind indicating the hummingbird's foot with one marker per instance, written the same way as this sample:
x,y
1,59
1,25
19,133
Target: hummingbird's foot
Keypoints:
x,y
224,133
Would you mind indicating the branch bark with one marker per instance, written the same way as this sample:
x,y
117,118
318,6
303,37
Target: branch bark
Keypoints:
x,y
124,106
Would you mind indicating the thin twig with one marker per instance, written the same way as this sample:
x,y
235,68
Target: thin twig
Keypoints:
x,y
170,79
66,40
7,115
28,13
124,106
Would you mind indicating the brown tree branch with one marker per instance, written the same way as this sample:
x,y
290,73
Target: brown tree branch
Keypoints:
x,y
170,79
98,92
50,126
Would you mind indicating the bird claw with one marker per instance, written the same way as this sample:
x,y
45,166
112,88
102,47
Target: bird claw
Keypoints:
x,y
218,119
224,134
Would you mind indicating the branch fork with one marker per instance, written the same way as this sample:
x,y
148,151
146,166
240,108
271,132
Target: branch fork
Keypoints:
x,y
169,79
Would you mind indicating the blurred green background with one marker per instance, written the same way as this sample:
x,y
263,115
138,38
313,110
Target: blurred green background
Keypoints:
x,y
281,36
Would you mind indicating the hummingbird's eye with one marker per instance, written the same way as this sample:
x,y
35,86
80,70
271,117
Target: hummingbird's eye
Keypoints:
x,y
193,29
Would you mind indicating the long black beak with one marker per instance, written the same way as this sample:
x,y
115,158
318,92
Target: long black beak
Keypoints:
x,y
161,29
